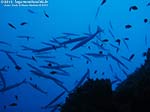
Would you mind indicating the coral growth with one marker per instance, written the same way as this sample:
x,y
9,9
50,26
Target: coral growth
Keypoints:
x,y
132,95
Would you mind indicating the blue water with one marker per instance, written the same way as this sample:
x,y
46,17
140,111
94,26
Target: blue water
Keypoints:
x,y
72,16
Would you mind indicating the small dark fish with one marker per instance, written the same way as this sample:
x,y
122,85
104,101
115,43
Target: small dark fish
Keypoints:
x,y
16,97
133,8
13,104
31,78
145,20
148,4
31,11
95,71
144,54
12,26
131,57
53,72
46,14
100,52
126,38
105,40
103,2
5,107
128,26
118,41
23,23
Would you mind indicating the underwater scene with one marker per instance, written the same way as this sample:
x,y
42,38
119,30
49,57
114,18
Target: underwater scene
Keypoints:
x,y
49,49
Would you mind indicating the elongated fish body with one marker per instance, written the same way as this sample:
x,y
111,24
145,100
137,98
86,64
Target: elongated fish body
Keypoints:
x,y
13,86
54,100
87,39
116,59
37,88
82,79
3,80
45,76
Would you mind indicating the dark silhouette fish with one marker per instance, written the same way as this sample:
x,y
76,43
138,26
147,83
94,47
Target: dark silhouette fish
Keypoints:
x,y
99,30
111,33
62,86
13,104
96,55
73,40
118,41
133,8
148,4
114,46
54,100
14,62
70,34
59,73
25,37
128,26
12,26
23,23
145,20
5,43
27,57
131,57
125,43
16,97
82,79
37,88
13,86
72,56
97,12
86,57
98,9
31,11
3,80
117,60
111,68
105,40
45,76
46,14
103,2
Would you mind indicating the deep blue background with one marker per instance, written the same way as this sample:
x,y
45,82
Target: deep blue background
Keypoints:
x,y
68,16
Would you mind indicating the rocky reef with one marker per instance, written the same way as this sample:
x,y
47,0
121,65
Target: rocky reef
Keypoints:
x,y
131,95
